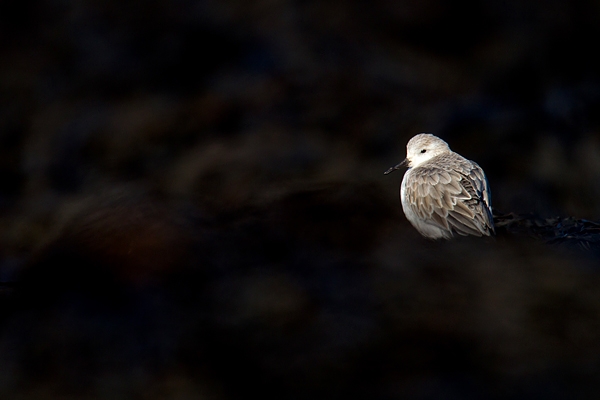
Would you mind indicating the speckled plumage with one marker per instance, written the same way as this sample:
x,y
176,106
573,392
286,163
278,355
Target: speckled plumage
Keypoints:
x,y
443,193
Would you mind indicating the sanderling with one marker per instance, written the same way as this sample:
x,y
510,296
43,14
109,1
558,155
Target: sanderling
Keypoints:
x,y
442,192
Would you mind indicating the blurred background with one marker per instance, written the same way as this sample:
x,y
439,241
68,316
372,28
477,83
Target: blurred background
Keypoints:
x,y
193,205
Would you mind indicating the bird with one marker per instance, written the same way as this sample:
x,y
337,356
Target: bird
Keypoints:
x,y
443,193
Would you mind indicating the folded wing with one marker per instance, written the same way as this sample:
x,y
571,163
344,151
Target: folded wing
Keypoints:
x,y
454,199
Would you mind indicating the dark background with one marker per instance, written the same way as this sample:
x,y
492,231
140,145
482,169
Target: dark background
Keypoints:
x,y
193,205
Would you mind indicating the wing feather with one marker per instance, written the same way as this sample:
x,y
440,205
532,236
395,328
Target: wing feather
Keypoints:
x,y
452,194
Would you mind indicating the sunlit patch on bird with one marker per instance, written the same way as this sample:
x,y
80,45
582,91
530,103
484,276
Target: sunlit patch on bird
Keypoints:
x,y
443,193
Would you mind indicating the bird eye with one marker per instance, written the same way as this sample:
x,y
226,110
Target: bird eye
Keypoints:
x,y
423,151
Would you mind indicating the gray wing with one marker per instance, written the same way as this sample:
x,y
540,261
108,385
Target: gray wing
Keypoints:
x,y
482,187
455,199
